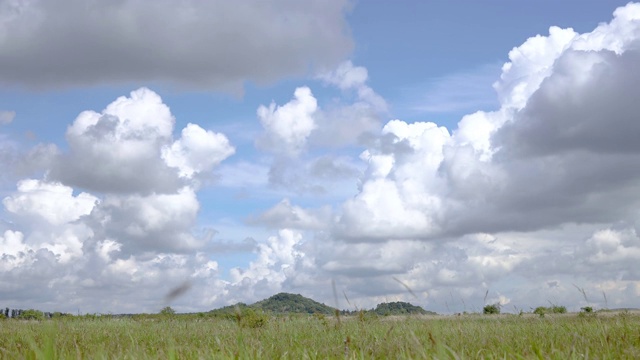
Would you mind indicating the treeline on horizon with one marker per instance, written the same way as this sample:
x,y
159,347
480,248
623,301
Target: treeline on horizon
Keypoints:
x,y
280,304
30,314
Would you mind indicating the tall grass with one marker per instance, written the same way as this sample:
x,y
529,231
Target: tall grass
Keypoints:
x,y
317,337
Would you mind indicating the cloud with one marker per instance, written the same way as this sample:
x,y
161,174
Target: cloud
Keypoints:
x,y
301,127
128,148
110,220
520,205
118,149
275,263
197,150
214,44
6,117
345,124
286,216
287,127
346,76
52,202
558,151
154,222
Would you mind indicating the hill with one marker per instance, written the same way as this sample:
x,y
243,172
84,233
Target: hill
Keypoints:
x,y
285,303
229,310
292,303
400,308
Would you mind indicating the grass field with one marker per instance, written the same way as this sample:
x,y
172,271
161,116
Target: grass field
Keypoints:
x,y
570,336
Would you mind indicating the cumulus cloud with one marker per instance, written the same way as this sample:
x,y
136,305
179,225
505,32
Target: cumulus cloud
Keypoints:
x,y
128,148
558,151
71,43
519,206
345,124
288,216
197,150
154,222
118,149
52,202
296,129
287,127
113,215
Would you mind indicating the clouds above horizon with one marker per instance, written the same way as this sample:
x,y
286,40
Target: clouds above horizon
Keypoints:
x,y
193,44
526,201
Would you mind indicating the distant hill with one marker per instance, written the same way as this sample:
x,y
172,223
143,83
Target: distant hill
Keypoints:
x,y
229,310
284,303
400,308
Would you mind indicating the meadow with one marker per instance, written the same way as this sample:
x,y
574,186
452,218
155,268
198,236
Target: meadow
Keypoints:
x,y
259,336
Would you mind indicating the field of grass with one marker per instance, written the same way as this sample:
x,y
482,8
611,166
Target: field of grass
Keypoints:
x,y
570,336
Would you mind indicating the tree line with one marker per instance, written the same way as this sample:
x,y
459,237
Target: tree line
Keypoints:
x,y
30,314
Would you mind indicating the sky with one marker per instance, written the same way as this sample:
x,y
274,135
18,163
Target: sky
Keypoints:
x,y
451,154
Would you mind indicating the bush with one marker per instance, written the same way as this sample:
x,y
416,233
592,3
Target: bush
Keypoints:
x,y
587,309
252,319
541,310
167,310
31,315
555,309
491,309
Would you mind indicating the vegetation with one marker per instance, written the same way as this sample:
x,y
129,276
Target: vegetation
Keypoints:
x,y
31,315
194,336
284,303
554,309
167,311
400,308
491,309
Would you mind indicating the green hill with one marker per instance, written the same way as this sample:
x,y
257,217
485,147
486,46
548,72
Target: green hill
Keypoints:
x,y
229,310
285,303
292,303
400,308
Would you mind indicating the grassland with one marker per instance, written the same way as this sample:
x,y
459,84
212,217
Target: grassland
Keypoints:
x,y
570,336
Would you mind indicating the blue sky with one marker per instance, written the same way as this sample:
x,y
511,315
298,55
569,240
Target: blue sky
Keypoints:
x,y
458,146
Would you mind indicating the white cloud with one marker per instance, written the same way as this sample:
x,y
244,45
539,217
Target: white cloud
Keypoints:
x,y
349,77
346,76
295,130
287,127
197,150
12,243
286,215
194,43
118,150
520,203
53,202
401,197
124,239
275,263
6,117
566,119
154,222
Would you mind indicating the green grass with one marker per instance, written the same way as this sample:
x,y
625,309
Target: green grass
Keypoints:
x,y
600,336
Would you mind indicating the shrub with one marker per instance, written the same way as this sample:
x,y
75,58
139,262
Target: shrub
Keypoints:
x,y
167,310
554,309
491,309
31,315
252,319
540,310
587,309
